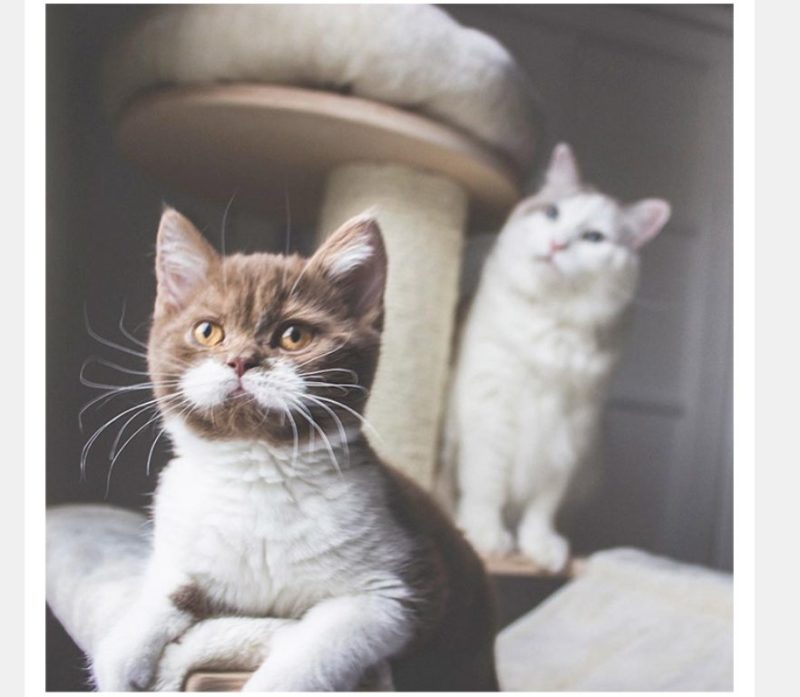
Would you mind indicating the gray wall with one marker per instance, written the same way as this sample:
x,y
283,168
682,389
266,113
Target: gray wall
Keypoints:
x,y
644,95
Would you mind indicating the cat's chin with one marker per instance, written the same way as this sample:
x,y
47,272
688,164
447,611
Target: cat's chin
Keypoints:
x,y
205,430
204,443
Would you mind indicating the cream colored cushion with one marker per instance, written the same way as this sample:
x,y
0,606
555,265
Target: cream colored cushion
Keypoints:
x,y
632,621
413,56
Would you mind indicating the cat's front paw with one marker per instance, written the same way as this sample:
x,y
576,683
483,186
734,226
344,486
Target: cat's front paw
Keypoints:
x,y
489,537
492,542
118,668
544,546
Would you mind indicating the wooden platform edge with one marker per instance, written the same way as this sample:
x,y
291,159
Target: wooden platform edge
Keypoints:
x,y
211,681
520,565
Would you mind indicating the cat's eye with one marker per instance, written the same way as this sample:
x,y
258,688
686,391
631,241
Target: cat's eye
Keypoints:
x,y
207,333
551,211
295,337
593,236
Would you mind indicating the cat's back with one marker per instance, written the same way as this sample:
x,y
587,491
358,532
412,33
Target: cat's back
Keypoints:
x,y
454,646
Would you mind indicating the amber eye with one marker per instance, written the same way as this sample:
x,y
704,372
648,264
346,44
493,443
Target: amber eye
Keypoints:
x,y
295,338
208,333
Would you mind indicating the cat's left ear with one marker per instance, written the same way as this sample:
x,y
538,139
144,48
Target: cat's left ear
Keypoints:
x,y
562,174
184,261
645,219
354,259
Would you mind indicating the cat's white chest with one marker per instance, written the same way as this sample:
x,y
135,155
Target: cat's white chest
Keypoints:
x,y
259,546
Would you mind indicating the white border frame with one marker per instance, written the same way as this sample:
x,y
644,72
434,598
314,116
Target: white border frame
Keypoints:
x,y
34,353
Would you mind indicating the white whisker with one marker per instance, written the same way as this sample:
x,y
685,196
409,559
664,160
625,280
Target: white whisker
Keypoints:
x,y
125,332
366,423
152,448
313,373
122,369
112,453
88,445
124,445
308,417
108,343
344,386
327,353
339,425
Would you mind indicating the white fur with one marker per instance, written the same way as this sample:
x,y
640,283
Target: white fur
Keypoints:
x,y
536,352
182,265
208,383
96,556
268,534
351,258
407,55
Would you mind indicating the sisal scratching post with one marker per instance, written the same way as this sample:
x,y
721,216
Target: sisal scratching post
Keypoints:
x,y
423,217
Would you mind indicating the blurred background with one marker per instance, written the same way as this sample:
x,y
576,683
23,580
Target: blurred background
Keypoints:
x,y
643,93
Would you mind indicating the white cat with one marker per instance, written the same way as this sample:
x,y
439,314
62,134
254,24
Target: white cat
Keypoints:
x,y
535,355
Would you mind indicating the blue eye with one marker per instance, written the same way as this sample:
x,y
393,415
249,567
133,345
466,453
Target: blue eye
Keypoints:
x,y
551,211
593,236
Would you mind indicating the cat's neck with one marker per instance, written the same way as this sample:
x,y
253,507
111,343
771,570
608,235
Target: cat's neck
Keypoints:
x,y
253,460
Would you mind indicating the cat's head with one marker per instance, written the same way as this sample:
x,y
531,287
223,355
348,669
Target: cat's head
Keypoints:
x,y
266,346
570,237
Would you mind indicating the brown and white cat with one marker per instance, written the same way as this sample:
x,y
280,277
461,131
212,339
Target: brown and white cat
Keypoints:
x,y
275,504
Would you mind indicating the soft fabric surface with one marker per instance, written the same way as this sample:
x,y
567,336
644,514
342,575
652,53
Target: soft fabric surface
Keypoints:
x,y
632,621
95,559
412,56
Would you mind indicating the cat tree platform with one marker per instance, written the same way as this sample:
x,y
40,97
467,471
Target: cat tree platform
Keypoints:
x,y
267,142
326,157
520,565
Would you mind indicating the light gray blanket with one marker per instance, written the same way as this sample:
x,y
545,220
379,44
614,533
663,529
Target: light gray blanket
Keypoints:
x,y
630,621
96,556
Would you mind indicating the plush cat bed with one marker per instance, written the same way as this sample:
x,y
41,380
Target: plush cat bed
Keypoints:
x,y
411,56
630,621
95,560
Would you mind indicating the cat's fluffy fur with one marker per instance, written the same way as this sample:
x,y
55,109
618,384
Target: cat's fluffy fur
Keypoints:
x,y
275,505
536,351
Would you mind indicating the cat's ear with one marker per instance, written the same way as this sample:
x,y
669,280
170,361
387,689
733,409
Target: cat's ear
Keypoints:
x,y
645,219
184,260
563,173
354,259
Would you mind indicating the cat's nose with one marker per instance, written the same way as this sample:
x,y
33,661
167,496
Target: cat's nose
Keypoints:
x,y
242,364
558,246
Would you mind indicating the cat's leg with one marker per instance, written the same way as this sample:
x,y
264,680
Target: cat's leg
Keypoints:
x,y
483,470
537,535
127,657
333,645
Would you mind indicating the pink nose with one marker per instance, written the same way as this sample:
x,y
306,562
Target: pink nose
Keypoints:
x,y
242,364
557,246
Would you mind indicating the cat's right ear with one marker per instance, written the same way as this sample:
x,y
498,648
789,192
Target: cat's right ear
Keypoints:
x,y
354,259
563,174
184,260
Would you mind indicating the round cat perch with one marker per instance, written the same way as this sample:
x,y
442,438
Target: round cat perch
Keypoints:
x,y
269,133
